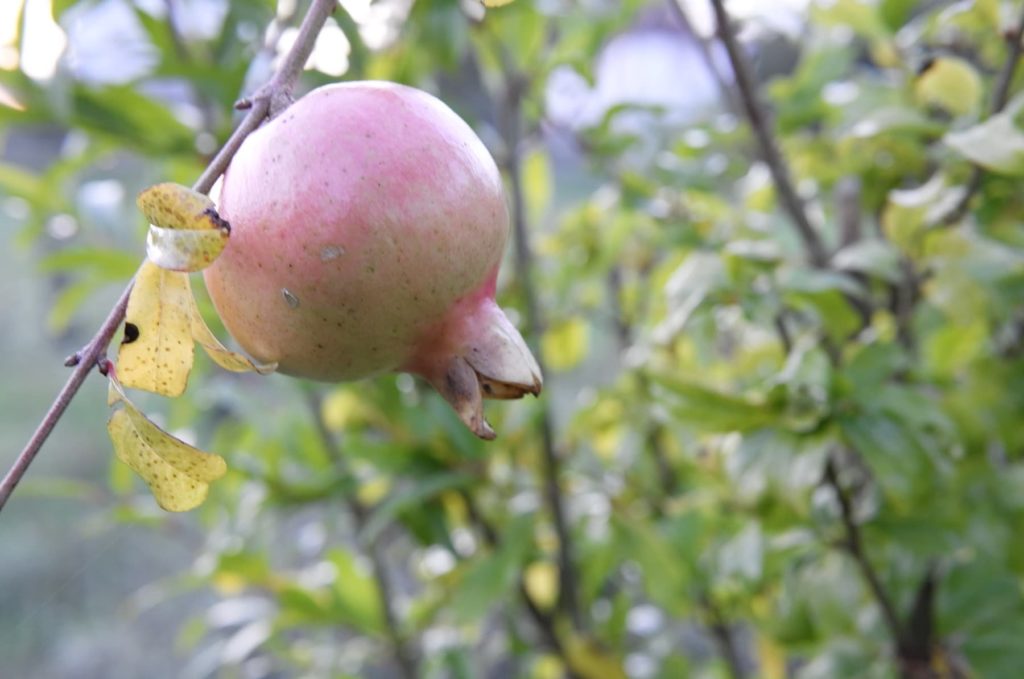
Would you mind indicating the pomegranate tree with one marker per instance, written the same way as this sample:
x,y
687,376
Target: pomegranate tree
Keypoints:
x,y
368,223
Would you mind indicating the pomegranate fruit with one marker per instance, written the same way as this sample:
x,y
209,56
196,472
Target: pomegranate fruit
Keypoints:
x,y
368,223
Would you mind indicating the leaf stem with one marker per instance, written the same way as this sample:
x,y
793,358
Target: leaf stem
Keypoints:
x,y
854,545
270,100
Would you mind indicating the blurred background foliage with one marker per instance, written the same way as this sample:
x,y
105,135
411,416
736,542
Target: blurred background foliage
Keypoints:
x,y
743,464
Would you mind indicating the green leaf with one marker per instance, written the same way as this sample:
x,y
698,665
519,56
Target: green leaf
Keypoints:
x,y
892,453
873,257
895,120
491,577
356,594
421,490
996,144
952,348
131,119
666,577
106,263
710,410
950,83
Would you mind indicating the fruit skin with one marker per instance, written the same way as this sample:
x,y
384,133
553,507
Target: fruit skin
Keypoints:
x,y
368,223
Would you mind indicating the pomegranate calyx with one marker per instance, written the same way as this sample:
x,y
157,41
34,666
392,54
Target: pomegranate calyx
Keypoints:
x,y
486,358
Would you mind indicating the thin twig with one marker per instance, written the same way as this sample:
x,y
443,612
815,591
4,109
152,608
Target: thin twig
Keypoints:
x,y
275,93
524,266
405,655
721,632
545,624
854,545
758,117
713,65
1000,96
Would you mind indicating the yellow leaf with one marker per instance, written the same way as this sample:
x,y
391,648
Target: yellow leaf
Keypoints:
x,y
373,491
343,409
950,83
157,352
588,660
184,250
497,3
772,658
221,355
565,344
186,233
541,582
537,183
178,474
547,666
173,206
455,508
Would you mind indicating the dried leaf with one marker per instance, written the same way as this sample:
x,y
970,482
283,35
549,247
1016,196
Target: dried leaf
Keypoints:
x,y
173,206
186,233
221,355
157,351
185,251
177,474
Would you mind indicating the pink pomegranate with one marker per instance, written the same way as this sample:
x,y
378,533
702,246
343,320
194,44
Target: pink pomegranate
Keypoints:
x,y
368,223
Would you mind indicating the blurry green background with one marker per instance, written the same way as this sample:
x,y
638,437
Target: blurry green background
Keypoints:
x,y
742,465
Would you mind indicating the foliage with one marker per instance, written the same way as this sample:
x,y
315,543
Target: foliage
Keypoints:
x,y
818,467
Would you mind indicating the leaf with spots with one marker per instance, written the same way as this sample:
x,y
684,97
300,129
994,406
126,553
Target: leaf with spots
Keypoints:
x,y
185,233
178,474
157,352
221,355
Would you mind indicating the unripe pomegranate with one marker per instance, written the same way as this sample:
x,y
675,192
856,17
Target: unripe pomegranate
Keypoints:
x,y
368,222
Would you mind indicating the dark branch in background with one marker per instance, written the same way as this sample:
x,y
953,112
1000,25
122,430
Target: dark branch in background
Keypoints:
x,y
915,640
543,621
405,654
512,104
919,634
762,128
721,632
713,65
906,648
270,99
1000,96
854,545
848,210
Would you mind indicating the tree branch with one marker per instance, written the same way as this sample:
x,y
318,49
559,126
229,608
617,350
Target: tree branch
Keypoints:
x,y
277,91
545,625
721,632
758,118
405,655
524,266
1000,96
854,545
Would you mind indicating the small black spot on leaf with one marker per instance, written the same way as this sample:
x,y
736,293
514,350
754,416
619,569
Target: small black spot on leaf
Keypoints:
x,y
131,333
